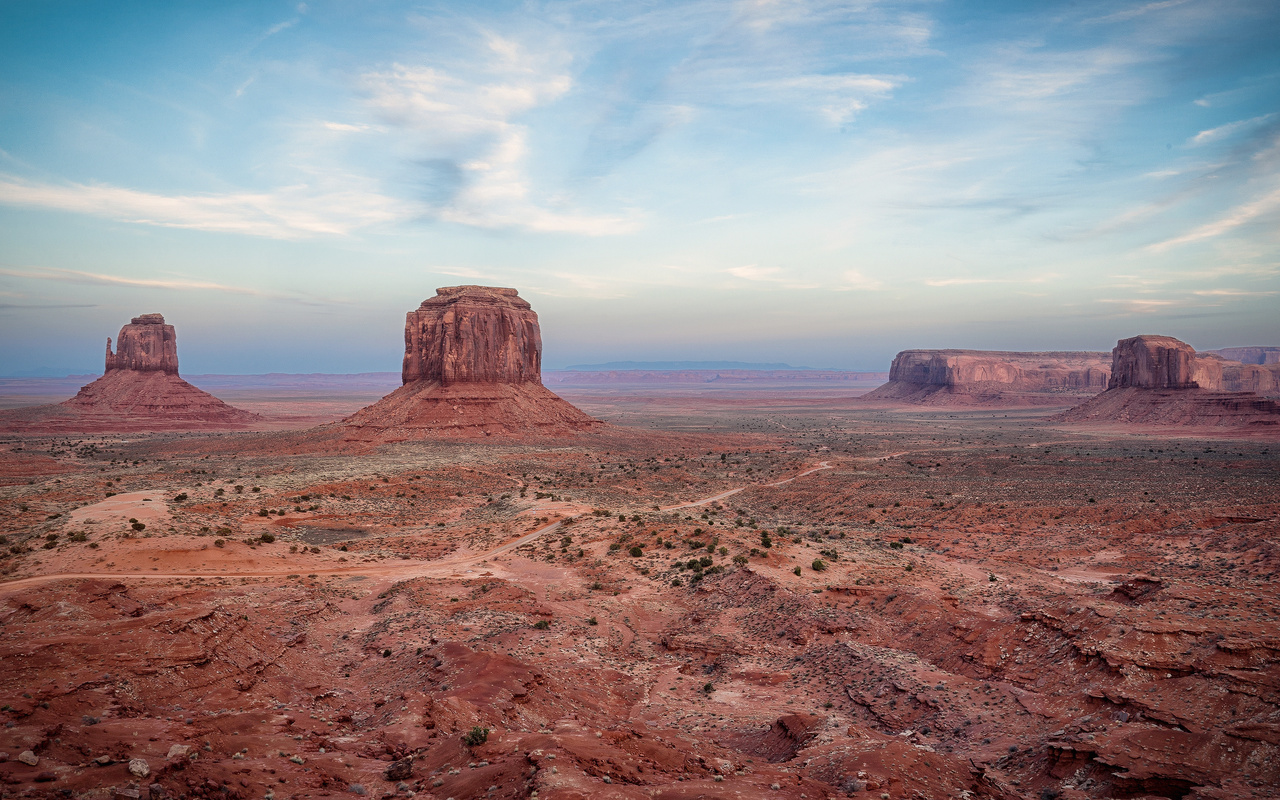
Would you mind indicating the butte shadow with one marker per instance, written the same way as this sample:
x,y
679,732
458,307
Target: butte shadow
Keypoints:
x,y
472,369
139,391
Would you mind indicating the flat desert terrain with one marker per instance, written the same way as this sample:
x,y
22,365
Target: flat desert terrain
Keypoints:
x,y
722,594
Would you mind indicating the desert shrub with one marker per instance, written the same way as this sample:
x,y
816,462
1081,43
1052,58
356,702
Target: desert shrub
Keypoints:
x,y
592,621
180,497
475,737
796,570
636,551
818,565
79,536
262,512
219,542
542,625
740,559
267,538
138,526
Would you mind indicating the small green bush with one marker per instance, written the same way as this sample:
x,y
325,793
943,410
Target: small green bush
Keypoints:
x,y
819,565
475,737
542,625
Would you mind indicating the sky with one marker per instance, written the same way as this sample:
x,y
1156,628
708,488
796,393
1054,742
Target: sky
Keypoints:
x,y
816,183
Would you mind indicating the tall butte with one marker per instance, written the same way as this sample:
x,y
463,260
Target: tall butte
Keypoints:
x,y
139,391
1159,380
472,367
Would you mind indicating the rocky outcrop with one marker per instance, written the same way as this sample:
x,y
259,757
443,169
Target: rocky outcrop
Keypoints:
x,y
986,377
472,334
139,391
1248,355
146,344
1156,362
472,367
1159,380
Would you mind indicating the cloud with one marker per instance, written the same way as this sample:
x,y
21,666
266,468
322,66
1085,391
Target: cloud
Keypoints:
x,y
470,122
175,284
1138,11
752,272
1223,131
292,212
942,282
1240,215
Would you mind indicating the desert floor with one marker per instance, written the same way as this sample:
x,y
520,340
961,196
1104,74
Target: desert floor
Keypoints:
x,y
725,595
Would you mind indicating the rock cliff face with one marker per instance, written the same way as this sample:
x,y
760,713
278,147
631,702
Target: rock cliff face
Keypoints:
x,y
985,377
472,367
472,334
1159,380
1154,362
1248,355
139,391
146,344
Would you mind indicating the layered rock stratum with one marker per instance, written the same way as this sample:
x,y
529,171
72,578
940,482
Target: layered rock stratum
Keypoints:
x,y
991,377
1159,380
140,390
472,367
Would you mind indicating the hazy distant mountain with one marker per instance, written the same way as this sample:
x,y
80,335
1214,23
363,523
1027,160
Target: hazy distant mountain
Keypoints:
x,y
655,365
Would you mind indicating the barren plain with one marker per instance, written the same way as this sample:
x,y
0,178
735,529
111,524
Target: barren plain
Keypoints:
x,y
719,595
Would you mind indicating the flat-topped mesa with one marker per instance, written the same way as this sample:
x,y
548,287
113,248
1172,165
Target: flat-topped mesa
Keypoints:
x,y
1161,362
472,334
991,377
146,344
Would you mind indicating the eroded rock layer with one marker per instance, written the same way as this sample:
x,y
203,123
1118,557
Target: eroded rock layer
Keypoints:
x,y
146,344
981,377
1159,380
472,334
472,368
139,391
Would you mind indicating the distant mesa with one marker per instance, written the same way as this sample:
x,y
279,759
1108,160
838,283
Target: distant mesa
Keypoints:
x,y
681,366
1159,380
995,378
139,391
472,367
1248,355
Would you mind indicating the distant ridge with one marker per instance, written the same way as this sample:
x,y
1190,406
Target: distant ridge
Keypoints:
x,y
615,366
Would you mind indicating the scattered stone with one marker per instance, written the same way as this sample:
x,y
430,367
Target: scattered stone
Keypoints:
x,y
29,758
178,751
400,771
139,768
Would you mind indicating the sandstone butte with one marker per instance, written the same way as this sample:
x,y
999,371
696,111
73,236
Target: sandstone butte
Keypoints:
x,y
1159,380
139,390
472,367
992,378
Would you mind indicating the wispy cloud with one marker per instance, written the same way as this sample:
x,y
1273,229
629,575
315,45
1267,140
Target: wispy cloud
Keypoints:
x,y
173,284
470,122
1240,215
1224,131
292,212
1138,11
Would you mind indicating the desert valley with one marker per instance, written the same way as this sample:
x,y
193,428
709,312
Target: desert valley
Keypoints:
x,y
980,575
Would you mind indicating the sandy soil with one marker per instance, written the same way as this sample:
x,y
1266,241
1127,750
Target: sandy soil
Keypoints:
x,y
796,599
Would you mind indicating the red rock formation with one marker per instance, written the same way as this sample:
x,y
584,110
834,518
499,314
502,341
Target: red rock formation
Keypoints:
x,y
1248,355
146,344
139,391
978,377
1159,380
472,367
472,334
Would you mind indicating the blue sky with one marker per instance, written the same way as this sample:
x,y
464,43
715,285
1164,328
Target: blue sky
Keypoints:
x,y
820,183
